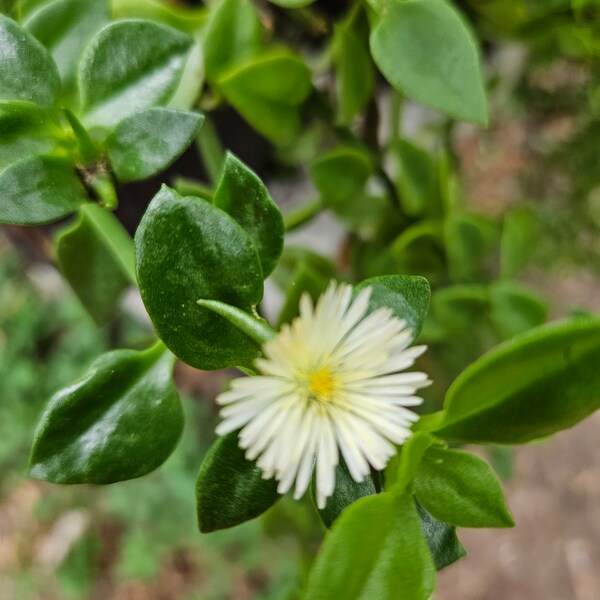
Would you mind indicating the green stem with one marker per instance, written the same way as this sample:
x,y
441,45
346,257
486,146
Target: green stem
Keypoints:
x,y
211,149
396,116
302,214
191,187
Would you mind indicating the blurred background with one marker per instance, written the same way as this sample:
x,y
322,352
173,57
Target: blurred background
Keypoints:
x,y
537,167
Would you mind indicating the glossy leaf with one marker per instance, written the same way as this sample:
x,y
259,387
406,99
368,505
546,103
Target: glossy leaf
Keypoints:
x,y
188,250
355,77
65,28
147,142
242,194
538,383
38,190
120,421
267,92
376,549
458,488
230,489
346,492
425,50
25,130
233,36
96,256
130,65
27,71
406,296
444,545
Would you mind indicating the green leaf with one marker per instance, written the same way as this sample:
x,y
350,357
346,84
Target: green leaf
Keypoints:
x,y
234,35
458,488
407,297
130,65
538,383
467,238
38,190
292,3
425,50
444,545
25,130
515,309
340,176
180,16
355,77
418,249
147,142
520,233
230,489
417,181
96,256
376,549
65,28
27,71
459,306
188,250
346,492
242,194
120,421
305,279
267,91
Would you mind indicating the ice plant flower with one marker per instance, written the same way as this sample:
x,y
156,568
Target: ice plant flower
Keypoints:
x,y
331,381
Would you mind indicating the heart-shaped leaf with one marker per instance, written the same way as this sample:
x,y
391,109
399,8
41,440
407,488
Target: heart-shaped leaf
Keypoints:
x,y
120,421
189,250
230,489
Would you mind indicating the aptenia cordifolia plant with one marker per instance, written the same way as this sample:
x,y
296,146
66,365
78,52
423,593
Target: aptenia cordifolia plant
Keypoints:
x,y
328,397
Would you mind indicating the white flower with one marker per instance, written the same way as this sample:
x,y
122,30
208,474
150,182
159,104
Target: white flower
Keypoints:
x,y
332,379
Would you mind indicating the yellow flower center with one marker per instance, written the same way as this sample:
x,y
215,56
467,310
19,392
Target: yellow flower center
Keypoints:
x,y
321,385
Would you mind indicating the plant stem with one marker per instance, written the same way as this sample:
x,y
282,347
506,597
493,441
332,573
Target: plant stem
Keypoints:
x,y
210,148
302,214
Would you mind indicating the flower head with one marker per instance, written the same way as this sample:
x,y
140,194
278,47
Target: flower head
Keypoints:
x,y
331,381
